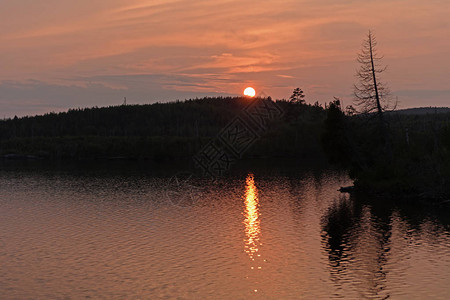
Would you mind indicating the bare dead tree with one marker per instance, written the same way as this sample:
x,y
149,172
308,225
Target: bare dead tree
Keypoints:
x,y
372,95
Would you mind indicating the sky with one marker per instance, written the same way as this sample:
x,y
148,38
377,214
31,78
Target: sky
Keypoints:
x,y
56,55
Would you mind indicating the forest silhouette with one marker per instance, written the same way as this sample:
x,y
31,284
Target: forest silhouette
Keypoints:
x,y
160,131
419,164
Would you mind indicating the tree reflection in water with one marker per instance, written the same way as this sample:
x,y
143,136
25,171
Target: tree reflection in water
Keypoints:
x,y
370,243
357,243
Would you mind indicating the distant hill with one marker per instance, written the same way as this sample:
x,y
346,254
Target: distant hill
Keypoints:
x,y
423,110
160,131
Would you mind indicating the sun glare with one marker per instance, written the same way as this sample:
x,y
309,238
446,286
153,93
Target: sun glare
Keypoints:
x,y
250,92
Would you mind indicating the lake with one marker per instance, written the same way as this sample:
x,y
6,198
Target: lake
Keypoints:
x,y
132,231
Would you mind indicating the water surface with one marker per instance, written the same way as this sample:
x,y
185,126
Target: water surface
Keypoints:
x,y
259,233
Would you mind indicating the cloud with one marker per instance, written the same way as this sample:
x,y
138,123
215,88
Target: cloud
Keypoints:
x,y
176,48
37,97
285,76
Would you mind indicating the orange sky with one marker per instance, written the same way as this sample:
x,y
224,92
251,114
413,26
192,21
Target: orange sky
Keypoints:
x,y
57,54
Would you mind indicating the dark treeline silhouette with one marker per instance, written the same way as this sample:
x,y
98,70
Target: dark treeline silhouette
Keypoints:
x,y
156,131
418,163
189,118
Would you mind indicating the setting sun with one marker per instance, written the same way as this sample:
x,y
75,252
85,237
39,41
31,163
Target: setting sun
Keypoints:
x,y
250,92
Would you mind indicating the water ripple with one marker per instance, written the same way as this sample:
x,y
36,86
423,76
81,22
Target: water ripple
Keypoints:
x,y
251,235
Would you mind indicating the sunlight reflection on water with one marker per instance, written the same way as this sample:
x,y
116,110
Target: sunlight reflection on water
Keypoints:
x,y
252,228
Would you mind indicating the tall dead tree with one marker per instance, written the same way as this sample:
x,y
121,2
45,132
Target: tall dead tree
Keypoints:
x,y
372,95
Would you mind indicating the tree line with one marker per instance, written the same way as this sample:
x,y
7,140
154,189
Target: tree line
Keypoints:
x,y
156,131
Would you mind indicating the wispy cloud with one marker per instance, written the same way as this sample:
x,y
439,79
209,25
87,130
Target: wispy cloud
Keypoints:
x,y
285,76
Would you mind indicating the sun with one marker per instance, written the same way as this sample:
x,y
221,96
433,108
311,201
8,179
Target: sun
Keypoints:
x,y
250,92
